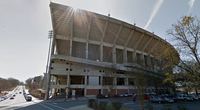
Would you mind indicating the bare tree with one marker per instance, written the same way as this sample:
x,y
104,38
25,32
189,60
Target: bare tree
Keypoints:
x,y
7,84
186,37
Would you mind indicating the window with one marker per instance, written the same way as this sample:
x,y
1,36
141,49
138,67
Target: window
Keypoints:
x,y
146,60
107,54
131,81
119,56
77,79
107,81
94,52
78,49
120,81
139,58
93,80
129,57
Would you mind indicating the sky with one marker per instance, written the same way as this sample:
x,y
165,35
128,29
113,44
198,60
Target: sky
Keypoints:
x,y
24,26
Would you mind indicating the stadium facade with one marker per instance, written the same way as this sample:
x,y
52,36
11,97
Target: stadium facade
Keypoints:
x,y
95,54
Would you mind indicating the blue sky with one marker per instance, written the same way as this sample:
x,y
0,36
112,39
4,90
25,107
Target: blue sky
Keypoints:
x,y
24,26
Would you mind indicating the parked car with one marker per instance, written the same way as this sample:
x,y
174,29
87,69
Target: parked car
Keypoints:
x,y
194,96
168,99
188,98
156,99
180,97
101,96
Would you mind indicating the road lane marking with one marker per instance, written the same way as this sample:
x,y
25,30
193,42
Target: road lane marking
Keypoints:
x,y
56,106
45,106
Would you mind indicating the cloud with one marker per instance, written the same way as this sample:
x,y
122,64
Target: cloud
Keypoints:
x,y
191,4
154,12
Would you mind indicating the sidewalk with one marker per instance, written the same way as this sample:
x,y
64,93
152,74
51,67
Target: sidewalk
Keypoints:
x,y
79,107
66,100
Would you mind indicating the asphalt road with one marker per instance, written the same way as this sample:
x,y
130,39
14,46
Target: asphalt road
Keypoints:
x,y
173,106
19,102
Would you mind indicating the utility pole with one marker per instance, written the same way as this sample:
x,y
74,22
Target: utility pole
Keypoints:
x,y
48,76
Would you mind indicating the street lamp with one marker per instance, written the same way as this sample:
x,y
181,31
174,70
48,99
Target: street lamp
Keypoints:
x,y
48,78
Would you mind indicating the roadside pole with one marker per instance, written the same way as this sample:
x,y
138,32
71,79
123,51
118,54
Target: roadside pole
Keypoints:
x,y
48,76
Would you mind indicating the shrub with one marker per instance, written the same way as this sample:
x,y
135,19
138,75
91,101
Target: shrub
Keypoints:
x,y
124,108
149,107
181,107
101,106
92,103
117,105
167,107
109,106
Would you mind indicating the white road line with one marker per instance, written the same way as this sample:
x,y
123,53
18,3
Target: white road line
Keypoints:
x,y
56,106
45,106
130,103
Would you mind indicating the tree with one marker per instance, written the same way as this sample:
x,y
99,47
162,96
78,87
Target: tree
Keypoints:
x,y
28,82
35,82
7,84
186,37
13,82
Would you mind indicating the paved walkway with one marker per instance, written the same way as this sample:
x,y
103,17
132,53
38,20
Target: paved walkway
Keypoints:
x,y
62,101
65,100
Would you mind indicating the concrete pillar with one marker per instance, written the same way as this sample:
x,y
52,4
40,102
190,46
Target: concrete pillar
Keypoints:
x,y
125,55
101,84
86,50
114,54
134,57
143,62
85,89
68,86
70,47
115,84
115,81
126,81
101,52
72,32
68,80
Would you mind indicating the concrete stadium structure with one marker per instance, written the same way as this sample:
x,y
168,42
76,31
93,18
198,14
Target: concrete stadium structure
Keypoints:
x,y
95,54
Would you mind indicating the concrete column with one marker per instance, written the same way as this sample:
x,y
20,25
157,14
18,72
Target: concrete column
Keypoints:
x,y
70,47
101,52
85,89
125,55
115,84
72,31
143,62
86,79
128,86
68,80
114,81
86,51
101,84
134,57
126,81
114,54
68,85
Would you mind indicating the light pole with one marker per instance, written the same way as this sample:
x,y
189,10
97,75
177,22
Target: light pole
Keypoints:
x,y
48,76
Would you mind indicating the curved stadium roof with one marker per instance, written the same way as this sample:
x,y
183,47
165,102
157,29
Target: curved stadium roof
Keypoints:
x,y
89,26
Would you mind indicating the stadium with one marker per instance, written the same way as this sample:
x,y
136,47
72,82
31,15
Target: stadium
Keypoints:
x,y
96,54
